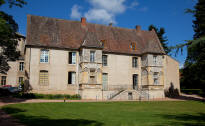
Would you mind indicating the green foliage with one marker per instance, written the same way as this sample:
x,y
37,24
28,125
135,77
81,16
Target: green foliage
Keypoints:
x,y
193,91
163,39
8,36
46,96
193,75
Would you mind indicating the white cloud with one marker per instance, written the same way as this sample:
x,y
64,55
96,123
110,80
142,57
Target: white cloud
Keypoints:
x,y
99,15
112,6
103,11
134,4
75,13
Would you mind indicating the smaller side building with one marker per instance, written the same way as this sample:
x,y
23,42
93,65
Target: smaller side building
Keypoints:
x,y
16,73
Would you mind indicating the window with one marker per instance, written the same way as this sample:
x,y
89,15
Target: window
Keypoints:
x,y
104,60
134,61
21,66
72,57
44,56
135,81
20,80
105,81
155,60
71,77
92,56
43,77
156,80
3,80
133,46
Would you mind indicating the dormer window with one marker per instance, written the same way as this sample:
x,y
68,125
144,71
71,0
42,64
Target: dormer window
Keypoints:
x,y
133,46
103,42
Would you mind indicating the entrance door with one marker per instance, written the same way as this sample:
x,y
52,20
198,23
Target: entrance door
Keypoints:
x,y
104,81
135,81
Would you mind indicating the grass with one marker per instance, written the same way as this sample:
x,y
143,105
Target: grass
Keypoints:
x,y
164,113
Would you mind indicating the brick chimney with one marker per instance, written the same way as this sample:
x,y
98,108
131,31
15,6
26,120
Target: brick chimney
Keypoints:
x,y
83,21
138,28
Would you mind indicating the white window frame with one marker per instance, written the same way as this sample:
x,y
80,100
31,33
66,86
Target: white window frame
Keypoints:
x,y
21,66
92,56
72,78
134,62
156,78
104,60
73,58
21,79
44,56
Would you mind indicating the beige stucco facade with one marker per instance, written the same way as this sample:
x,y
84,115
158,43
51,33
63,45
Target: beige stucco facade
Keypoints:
x,y
111,81
119,72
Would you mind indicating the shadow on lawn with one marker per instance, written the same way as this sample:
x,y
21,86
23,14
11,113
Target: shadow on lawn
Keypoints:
x,y
184,120
46,121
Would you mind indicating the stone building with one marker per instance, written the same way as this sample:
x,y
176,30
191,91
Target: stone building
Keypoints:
x,y
96,61
16,73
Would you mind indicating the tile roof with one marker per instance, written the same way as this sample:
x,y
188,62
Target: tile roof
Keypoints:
x,y
59,33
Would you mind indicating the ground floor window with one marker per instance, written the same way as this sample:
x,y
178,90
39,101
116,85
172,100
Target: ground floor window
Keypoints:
x,y
3,80
71,77
43,77
20,80
156,78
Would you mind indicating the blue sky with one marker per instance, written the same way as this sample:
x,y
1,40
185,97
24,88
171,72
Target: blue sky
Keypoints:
x,y
122,13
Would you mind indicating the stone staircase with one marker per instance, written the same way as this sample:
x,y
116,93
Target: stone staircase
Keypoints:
x,y
139,94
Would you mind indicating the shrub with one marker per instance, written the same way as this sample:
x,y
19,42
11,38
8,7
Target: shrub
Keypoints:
x,y
192,91
46,96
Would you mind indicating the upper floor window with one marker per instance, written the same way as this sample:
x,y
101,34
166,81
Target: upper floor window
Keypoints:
x,y
104,60
3,80
92,56
72,57
155,60
71,77
43,77
134,61
44,56
21,66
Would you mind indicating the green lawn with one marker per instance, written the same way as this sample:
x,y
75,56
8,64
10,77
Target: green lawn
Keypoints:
x,y
181,113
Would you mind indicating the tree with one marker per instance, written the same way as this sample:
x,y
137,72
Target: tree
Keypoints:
x,y
194,67
8,36
163,39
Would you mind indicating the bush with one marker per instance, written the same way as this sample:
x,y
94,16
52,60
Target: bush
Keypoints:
x,y
192,91
46,96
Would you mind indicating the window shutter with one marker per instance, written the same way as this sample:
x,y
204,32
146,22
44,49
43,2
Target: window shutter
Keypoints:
x,y
70,58
69,77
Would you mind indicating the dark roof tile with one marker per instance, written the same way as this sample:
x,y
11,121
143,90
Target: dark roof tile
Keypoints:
x,y
52,32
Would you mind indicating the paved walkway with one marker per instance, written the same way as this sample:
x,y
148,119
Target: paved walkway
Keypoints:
x,y
7,120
